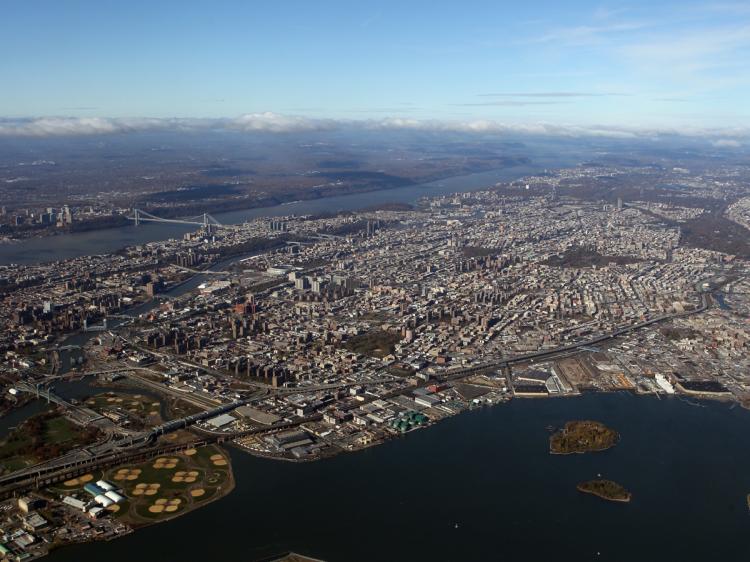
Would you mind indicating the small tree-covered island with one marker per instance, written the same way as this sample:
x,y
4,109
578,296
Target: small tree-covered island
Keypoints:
x,y
582,437
605,489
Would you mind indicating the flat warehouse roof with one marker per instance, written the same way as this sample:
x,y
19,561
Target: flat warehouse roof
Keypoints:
x,y
222,420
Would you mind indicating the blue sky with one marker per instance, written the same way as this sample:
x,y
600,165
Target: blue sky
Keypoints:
x,y
663,64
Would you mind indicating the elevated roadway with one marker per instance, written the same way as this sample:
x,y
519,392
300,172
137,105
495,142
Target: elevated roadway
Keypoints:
x,y
144,446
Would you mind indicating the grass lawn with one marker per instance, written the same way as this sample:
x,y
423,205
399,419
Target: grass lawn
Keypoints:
x,y
171,484
375,343
41,437
60,430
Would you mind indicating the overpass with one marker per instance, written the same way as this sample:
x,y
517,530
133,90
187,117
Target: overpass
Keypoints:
x,y
96,328
78,414
121,449
201,271
142,446
586,345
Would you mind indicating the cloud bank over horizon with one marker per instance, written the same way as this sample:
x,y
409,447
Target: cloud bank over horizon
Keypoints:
x,y
276,123
580,67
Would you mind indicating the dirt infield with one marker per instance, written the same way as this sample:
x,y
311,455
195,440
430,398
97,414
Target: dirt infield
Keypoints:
x,y
167,463
169,486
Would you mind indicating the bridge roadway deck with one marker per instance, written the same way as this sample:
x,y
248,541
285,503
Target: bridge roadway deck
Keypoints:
x,y
78,414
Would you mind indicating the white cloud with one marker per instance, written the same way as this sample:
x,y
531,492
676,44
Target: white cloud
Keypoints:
x,y
582,35
62,126
250,122
726,143
275,123
703,48
547,129
730,8
606,13
551,95
51,126
279,123
696,47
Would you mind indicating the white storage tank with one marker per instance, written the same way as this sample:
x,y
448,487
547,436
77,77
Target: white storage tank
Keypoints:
x,y
97,512
103,501
114,496
106,486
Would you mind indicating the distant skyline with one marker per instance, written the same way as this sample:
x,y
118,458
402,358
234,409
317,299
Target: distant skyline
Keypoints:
x,y
681,66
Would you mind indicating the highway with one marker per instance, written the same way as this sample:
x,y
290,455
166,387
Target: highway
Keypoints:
x,y
133,447
78,414
190,397
545,354
222,375
113,447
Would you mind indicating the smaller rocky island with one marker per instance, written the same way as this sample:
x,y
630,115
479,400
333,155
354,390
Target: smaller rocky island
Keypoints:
x,y
605,489
582,437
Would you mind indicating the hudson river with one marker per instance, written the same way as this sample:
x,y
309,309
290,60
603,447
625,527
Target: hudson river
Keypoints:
x,y
63,246
482,486
479,486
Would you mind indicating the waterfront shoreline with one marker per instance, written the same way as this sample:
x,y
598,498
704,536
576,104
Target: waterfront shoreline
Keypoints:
x,y
606,498
72,242
284,488
590,488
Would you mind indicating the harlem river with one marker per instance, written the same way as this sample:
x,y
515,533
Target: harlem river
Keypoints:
x,y
483,486
478,486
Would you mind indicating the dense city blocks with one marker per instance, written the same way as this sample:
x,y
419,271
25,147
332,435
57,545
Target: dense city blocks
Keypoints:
x,y
374,281
304,336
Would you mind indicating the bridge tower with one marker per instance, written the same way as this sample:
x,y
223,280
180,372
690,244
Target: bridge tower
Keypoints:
x,y
137,214
208,226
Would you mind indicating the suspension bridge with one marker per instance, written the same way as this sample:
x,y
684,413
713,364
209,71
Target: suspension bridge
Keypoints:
x,y
205,220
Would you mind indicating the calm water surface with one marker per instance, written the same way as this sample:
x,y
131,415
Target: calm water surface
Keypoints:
x,y
37,250
482,486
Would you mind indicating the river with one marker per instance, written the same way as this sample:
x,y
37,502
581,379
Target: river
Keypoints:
x,y
64,246
190,284
482,486
77,389
479,486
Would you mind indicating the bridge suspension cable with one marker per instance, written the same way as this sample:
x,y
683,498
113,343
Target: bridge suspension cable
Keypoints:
x,y
205,219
